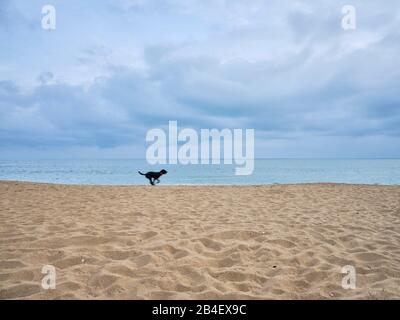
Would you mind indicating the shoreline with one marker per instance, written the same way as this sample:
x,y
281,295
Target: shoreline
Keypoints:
x,y
199,185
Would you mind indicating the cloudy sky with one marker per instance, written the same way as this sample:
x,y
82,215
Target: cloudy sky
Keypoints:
x,y
113,69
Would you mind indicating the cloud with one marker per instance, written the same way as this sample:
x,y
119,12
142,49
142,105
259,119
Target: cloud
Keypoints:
x,y
286,69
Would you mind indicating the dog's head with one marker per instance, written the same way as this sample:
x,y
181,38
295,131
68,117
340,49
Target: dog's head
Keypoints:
x,y
163,171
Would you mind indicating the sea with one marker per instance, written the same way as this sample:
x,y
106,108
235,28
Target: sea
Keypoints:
x,y
266,171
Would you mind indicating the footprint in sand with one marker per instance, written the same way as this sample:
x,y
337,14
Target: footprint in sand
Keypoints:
x,y
370,256
68,262
148,234
211,244
19,291
103,281
11,264
116,255
143,260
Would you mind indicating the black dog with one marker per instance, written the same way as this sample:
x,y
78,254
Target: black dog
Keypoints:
x,y
154,176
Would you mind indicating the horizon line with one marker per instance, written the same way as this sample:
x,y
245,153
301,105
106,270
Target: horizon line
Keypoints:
x,y
221,159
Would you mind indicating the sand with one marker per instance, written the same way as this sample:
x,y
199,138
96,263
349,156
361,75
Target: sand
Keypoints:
x,y
199,242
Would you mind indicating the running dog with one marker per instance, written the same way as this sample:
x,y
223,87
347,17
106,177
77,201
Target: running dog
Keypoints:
x,y
154,176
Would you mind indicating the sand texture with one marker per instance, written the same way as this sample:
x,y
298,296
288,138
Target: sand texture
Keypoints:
x,y
199,242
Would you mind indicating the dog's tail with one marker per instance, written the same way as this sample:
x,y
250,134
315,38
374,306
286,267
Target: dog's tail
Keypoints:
x,y
141,173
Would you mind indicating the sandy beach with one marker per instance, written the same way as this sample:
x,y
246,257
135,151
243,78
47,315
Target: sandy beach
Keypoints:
x,y
199,242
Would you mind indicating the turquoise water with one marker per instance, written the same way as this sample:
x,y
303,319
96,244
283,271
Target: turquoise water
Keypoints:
x,y
266,171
